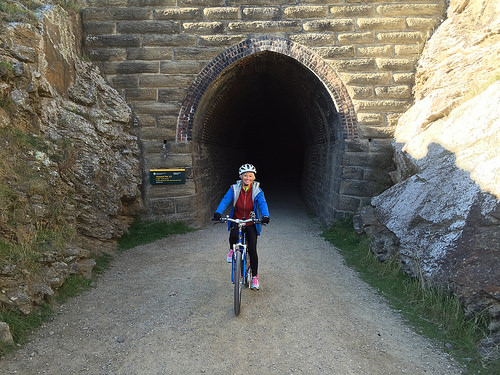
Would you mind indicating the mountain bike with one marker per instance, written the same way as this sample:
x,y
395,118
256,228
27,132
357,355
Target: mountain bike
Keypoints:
x,y
241,273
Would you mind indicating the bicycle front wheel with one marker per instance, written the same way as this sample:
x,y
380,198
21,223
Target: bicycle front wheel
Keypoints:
x,y
238,277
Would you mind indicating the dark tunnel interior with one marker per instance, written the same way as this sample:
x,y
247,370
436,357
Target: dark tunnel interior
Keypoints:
x,y
266,109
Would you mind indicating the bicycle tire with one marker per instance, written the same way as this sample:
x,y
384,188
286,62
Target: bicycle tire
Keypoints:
x,y
237,282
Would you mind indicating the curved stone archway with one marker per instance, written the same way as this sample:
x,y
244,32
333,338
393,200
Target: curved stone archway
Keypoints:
x,y
251,46
290,104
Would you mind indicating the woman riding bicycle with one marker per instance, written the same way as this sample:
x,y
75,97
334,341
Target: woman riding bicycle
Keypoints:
x,y
247,197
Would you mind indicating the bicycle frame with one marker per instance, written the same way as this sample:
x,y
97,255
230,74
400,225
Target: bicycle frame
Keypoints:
x,y
240,246
240,257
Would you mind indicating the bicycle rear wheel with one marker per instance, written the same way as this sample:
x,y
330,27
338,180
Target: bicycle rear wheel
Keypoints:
x,y
237,282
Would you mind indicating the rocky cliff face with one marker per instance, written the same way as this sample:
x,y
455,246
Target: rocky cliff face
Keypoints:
x,y
442,216
69,171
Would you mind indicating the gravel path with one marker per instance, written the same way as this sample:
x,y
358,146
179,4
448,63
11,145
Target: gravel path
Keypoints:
x,y
166,308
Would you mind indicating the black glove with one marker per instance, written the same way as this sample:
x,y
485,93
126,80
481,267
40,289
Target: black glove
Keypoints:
x,y
217,216
265,220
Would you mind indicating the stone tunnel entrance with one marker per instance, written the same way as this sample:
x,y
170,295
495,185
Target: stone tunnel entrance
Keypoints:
x,y
269,109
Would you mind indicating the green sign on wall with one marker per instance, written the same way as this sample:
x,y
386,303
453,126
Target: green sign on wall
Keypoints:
x,y
167,176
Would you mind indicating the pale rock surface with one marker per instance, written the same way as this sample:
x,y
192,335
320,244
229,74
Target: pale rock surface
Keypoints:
x,y
444,208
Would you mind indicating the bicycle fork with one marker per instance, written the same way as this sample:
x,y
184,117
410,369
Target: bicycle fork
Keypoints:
x,y
241,248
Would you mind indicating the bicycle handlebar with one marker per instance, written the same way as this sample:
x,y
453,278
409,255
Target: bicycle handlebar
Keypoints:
x,y
242,222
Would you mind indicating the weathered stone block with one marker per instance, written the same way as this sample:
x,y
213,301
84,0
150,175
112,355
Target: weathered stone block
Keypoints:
x,y
107,3
201,3
145,121
130,67
154,161
366,78
181,67
382,105
262,13
370,160
357,145
148,3
186,204
161,206
153,138
155,108
305,11
352,10
334,52
327,2
374,131
178,14
395,92
260,2
98,27
313,39
116,13
399,64
203,27
181,147
422,23
411,9
150,53
264,26
357,65
196,53
133,94
329,25
110,41
124,81
407,50
168,40
147,27
375,51
353,38
371,118
352,173
359,189
107,54
404,78
360,92
401,37
380,146
349,204
167,122
222,13
377,24
220,40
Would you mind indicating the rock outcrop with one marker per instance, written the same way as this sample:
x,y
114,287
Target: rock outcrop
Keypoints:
x,y
70,158
444,208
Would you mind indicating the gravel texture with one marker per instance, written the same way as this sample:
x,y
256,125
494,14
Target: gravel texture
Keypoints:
x,y
166,308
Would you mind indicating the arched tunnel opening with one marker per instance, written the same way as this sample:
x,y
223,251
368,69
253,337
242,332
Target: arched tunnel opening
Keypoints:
x,y
269,110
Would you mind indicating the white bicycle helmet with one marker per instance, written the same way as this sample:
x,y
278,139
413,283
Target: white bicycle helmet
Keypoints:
x,y
247,168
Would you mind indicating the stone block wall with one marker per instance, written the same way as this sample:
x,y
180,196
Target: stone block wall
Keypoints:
x,y
152,52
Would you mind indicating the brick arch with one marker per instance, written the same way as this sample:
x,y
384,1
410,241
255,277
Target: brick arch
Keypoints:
x,y
306,57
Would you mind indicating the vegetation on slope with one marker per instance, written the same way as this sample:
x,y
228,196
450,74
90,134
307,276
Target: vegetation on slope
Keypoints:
x,y
433,313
